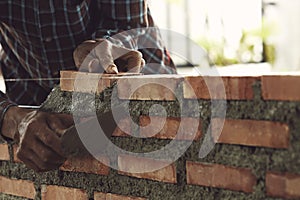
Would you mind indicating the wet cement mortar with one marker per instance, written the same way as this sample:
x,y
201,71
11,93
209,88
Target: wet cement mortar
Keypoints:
x,y
260,160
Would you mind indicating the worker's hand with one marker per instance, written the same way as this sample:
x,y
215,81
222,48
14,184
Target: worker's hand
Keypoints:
x,y
39,136
103,56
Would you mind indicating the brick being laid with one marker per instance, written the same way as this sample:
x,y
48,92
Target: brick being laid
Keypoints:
x,y
160,87
74,81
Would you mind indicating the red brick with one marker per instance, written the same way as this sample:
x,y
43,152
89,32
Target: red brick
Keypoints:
x,y
129,165
285,88
88,82
109,196
21,188
170,127
251,133
51,192
83,82
220,176
4,153
235,88
285,185
148,87
87,165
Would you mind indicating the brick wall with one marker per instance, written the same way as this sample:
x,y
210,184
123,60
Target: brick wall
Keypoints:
x,y
256,155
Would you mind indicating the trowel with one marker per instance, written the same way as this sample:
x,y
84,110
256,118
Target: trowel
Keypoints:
x,y
92,135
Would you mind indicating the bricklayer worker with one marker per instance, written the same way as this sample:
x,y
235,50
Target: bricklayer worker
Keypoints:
x,y
40,38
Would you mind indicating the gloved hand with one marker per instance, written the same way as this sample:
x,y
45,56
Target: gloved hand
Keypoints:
x,y
102,56
38,134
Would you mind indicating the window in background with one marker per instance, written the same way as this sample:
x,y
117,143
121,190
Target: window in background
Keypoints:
x,y
231,31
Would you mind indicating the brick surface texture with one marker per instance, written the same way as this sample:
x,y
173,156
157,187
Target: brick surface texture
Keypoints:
x,y
284,88
84,82
283,185
150,87
170,128
51,192
4,154
129,165
109,196
251,133
252,136
236,88
21,188
220,176
87,164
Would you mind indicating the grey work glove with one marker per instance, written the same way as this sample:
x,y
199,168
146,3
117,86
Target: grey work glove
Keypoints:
x,y
38,136
102,56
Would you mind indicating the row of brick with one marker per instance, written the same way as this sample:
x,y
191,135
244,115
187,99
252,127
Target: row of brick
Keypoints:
x,y
26,189
230,131
255,133
162,87
239,132
201,174
50,192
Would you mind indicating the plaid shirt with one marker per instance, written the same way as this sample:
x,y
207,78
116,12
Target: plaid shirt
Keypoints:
x,y
38,39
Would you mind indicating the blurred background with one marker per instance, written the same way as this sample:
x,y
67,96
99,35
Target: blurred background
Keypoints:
x,y
241,33
238,36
